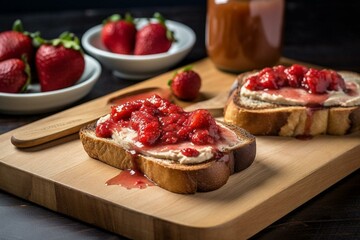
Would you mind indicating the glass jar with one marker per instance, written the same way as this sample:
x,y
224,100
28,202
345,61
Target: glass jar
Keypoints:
x,y
243,35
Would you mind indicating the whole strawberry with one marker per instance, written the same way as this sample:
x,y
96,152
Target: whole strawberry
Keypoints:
x,y
14,75
118,35
60,62
186,84
154,38
16,43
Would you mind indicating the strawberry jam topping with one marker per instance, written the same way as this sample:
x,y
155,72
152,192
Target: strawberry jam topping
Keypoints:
x,y
190,152
157,121
296,76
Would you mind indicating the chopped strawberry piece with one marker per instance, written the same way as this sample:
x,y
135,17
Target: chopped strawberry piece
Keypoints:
x,y
267,79
104,130
252,83
157,121
281,78
124,111
201,137
199,118
336,81
295,74
315,82
146,125
190,152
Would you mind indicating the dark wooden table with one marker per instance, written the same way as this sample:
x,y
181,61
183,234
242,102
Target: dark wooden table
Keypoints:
x,y
324,32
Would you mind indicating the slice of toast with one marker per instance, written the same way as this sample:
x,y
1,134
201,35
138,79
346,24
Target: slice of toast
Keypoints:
x,y
170,175
265,118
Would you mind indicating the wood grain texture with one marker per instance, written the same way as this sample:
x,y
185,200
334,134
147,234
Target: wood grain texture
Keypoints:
x,y
286,173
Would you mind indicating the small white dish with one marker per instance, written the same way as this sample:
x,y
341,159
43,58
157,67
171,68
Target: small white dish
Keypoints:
x,y
34,101
140,67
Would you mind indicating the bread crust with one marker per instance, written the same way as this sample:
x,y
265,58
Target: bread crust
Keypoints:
x,y
272,119
174,177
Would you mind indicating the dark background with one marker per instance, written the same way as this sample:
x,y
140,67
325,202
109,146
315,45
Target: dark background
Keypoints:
x,y
44,5
317,24
322,32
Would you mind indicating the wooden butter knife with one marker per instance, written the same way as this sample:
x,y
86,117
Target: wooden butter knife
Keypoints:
x,y
70,121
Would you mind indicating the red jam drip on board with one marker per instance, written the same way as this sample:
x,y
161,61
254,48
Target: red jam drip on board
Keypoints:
x,y
159,122
130,179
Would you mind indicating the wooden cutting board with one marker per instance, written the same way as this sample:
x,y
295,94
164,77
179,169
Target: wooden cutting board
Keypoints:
x,y
286,173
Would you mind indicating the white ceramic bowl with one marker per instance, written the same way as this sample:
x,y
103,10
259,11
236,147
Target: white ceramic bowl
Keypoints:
x,y
145,66
35,101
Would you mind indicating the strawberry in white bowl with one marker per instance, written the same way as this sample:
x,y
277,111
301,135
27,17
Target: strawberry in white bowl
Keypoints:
x,y
140,66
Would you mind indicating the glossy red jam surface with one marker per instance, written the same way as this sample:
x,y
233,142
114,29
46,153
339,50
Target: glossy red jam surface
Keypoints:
x,y
190,152
296,76
157,121
130,179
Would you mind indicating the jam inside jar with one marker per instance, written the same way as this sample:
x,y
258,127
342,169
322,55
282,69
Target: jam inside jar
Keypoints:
x,y
243,35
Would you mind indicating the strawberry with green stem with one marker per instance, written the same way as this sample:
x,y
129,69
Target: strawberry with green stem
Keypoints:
x,y
154,38
118,34
59,62
16,42
186,84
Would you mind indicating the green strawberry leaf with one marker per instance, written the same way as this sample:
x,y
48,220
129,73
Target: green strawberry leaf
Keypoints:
x,y
117,17
17,26
169,34
129,18
28,73
68,40
175,73
112,18
170,82
35,36
160,18
187,68
37,40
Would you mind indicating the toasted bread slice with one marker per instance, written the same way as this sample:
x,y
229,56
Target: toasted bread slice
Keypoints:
x,y
172,176
264,118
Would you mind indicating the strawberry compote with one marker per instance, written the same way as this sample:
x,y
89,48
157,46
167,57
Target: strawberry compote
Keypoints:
x,y
296,76
157,121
